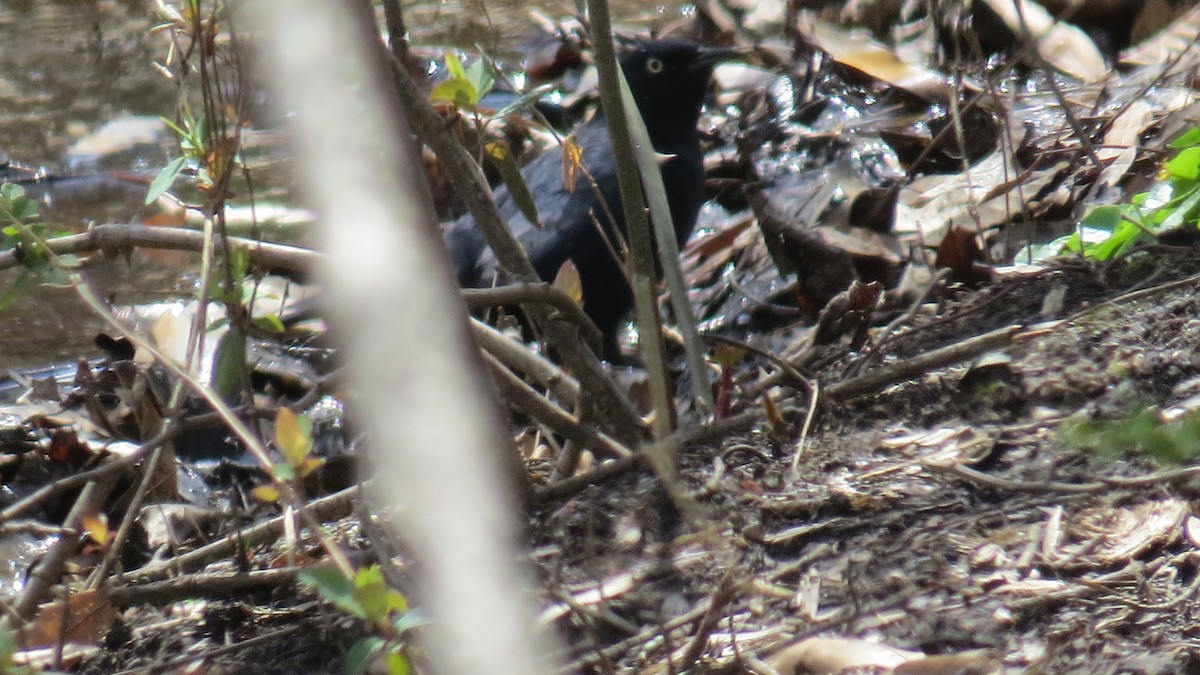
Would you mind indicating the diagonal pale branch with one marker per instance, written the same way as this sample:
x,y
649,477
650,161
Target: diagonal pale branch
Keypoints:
x,y
440,451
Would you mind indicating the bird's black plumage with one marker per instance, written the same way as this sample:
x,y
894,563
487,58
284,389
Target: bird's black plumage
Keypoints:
x,y
668,79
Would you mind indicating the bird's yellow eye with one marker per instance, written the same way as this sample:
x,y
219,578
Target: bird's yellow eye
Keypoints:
x,y
654,66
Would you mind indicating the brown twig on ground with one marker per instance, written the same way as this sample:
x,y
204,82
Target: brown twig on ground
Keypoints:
x,y
922,363
192,586
526,399
724,594
99,473
50,569
519,357
570,486
333,507
168,665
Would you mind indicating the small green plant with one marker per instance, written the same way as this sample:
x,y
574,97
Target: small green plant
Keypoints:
x,y
465,87
1172,442
293,438
368,597
23,232
465,90
1172,201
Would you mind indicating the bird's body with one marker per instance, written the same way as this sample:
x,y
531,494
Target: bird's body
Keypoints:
x,y
668,80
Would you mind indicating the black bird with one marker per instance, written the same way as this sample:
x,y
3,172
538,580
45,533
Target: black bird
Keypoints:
x,y
669,80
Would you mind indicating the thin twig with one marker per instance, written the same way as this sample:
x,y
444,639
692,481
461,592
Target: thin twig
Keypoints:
x,y
290,261
525,399
332,507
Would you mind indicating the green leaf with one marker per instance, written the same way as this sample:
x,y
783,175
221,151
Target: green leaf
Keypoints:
x,y
165,179
371,593
11,191
480,76
502,158
239,261
1103,217
1171,442
269,323
1189,138
230,376
454,66
217,292
333,586
15,290
361,654
456,90
368,576
526,100
23,208
283,471
1186,209
397,663
1122,238
1185,165
414,618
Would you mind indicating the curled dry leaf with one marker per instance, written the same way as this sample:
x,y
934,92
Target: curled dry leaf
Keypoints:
x,y
1163,30
836,654
567,280
1061,45
1106,536
1121,143
87,615
860,52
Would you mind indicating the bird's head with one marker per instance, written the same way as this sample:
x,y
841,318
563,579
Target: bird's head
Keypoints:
x,y
669,79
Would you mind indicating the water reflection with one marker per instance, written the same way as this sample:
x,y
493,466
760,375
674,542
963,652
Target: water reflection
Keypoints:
x,y
66,68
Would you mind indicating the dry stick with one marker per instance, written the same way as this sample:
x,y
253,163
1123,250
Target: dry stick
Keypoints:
x,y
668,249
608,470
167,666
519,357
50,569
575,484
524,293
814,397
195,348
117,545
526,399
725,593
291,261
333,507
611,407
568,458
1088,148
642,638
1134,296
917,365
192,586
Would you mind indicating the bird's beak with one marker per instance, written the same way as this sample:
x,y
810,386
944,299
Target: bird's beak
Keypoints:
x,y
711,56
